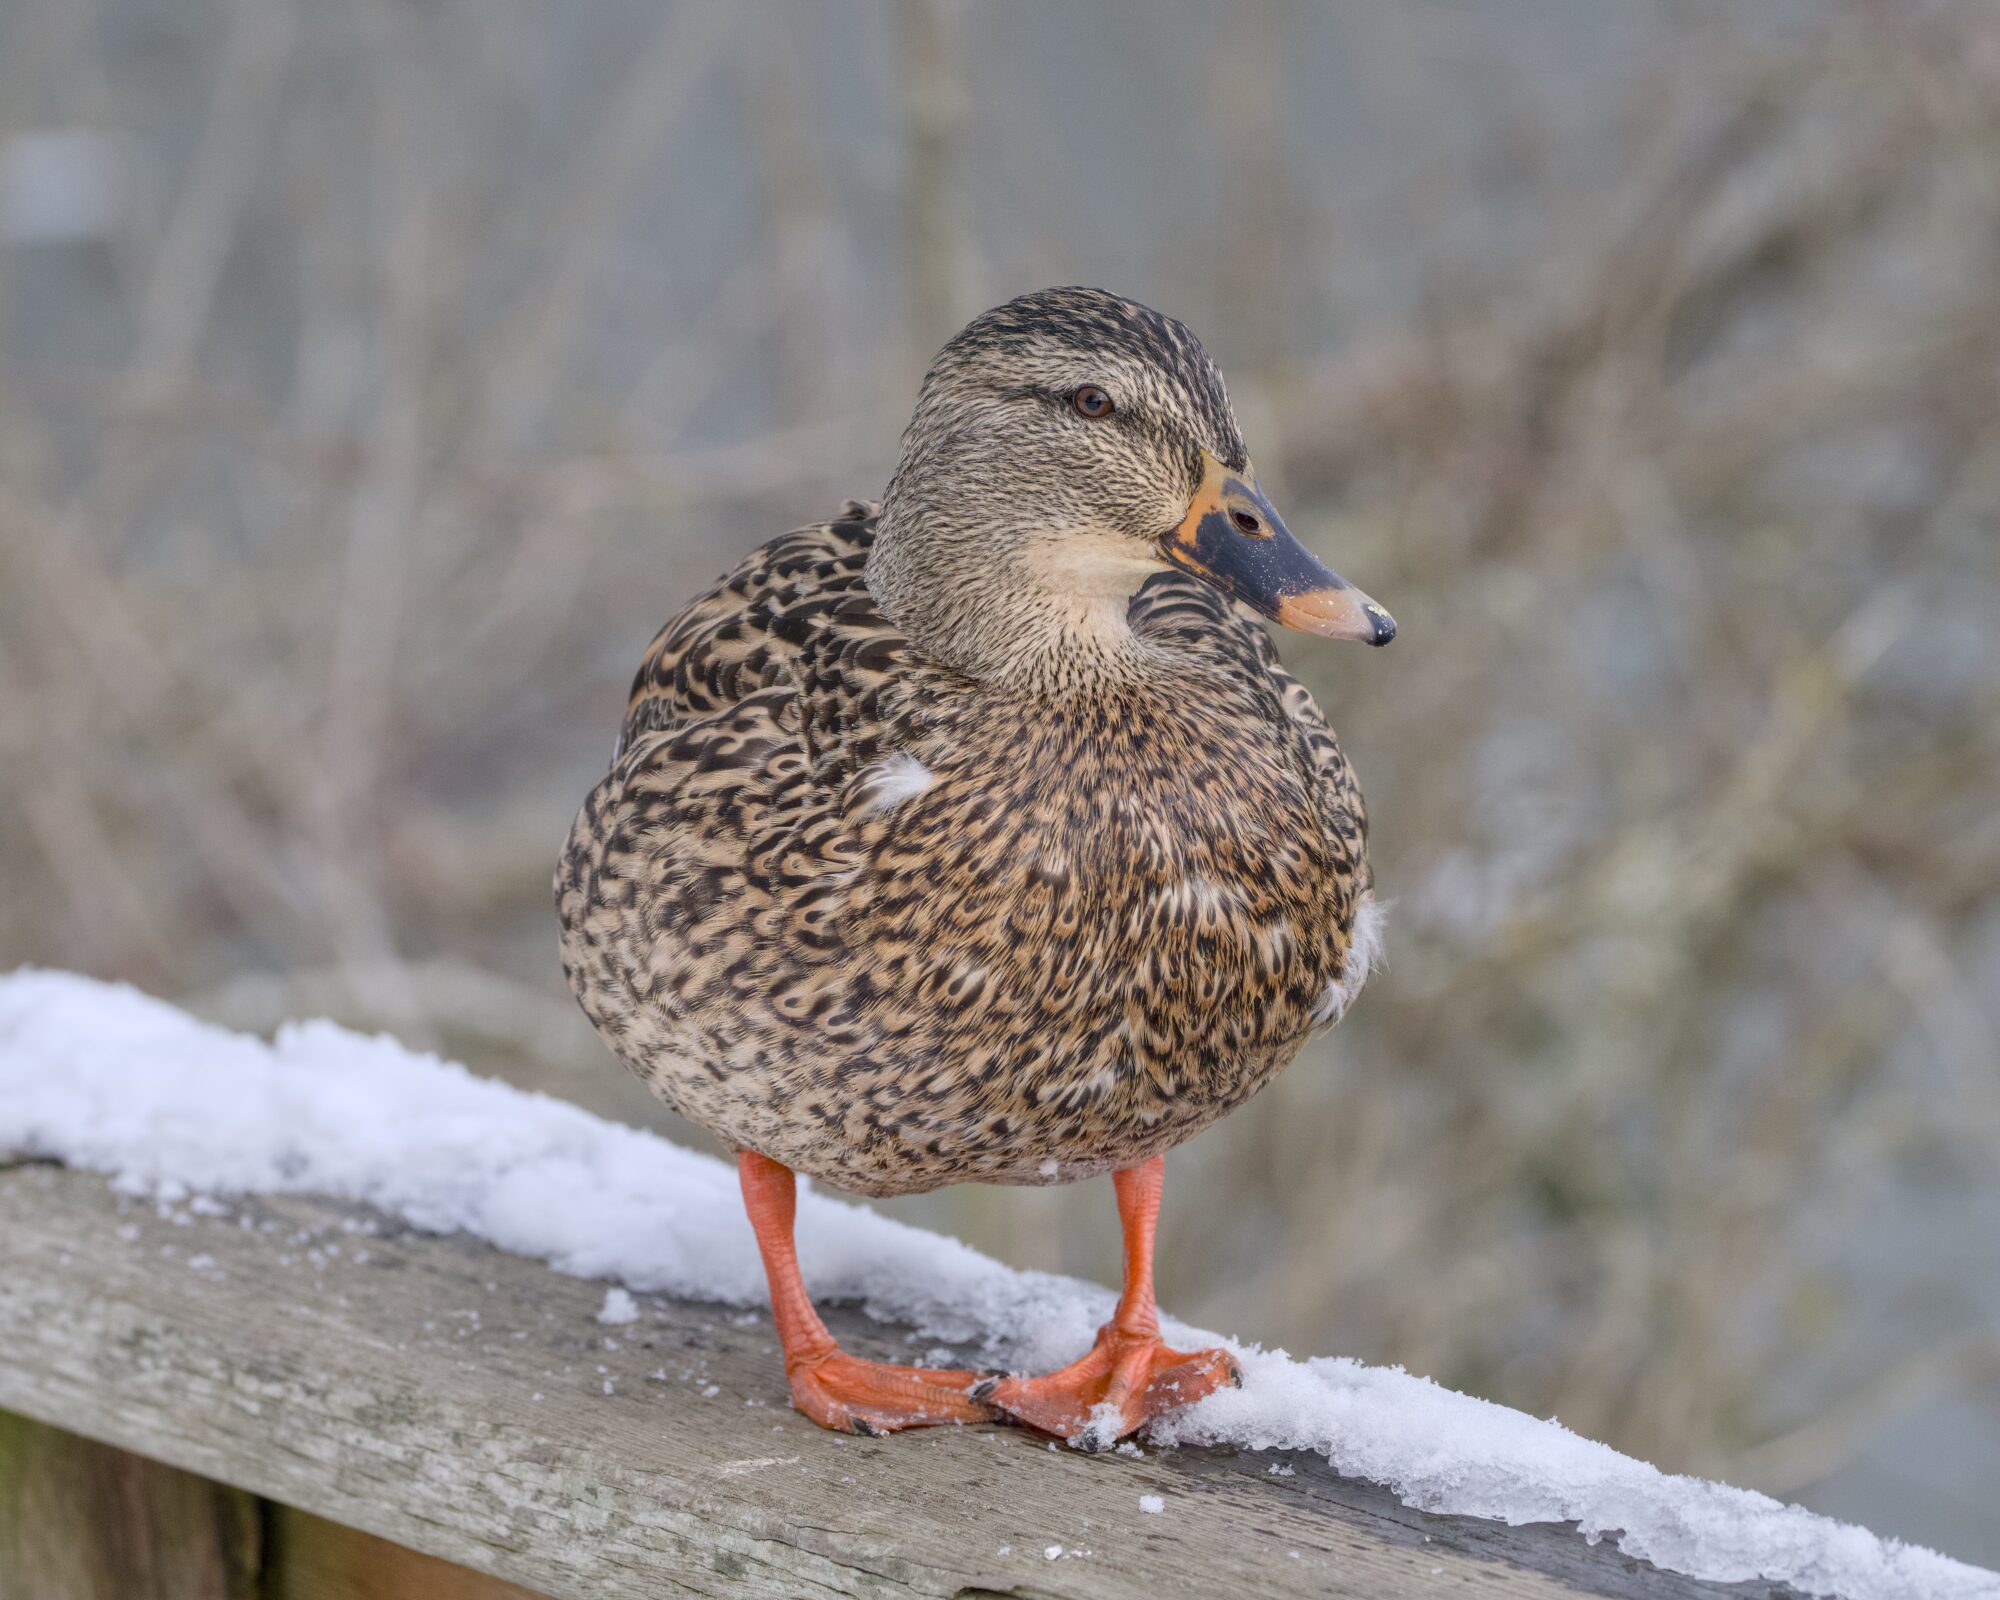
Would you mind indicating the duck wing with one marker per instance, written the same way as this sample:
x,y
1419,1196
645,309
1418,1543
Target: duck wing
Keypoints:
x,y
748,633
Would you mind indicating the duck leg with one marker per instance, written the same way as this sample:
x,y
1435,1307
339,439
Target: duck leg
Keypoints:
x,y
1129,1377
828,1385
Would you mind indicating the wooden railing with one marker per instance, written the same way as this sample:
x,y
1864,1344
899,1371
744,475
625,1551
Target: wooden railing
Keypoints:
x,y
288,1398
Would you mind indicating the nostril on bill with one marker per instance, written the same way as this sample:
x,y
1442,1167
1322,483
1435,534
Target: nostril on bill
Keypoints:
x,y
1247,522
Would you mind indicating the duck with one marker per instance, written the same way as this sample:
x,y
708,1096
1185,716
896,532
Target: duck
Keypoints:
x,y
980,835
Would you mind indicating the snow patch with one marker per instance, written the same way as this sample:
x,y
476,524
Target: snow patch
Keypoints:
x,y
1102,1430
101,1077
1152,1503
618,1309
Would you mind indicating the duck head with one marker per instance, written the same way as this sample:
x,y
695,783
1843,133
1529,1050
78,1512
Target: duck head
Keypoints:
x,y
1067,446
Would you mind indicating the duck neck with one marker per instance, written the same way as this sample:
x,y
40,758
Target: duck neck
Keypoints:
x,y
1031,610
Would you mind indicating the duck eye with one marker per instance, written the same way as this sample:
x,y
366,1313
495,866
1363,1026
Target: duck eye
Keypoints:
x,y
1092,402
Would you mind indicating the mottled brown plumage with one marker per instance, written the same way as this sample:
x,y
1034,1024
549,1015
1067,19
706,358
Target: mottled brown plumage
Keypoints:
x,y
1107,920
966,839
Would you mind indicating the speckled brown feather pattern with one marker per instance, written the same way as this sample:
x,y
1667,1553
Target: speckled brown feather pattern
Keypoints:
x,y
897,928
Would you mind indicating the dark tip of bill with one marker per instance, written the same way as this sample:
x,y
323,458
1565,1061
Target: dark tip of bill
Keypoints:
x,y
1385,625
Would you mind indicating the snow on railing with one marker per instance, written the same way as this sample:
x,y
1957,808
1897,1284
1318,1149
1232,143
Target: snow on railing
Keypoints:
x,y
190,1121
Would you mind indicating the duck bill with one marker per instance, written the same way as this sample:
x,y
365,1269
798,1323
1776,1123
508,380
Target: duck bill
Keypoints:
x,y
1233,537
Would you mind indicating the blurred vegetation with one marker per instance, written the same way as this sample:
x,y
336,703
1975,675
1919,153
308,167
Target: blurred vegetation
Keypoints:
x,y
375,377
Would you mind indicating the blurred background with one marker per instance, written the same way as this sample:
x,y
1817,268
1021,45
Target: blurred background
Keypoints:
x,y
376,375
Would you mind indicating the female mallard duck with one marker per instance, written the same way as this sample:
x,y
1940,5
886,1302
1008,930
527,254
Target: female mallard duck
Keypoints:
x,y
983,837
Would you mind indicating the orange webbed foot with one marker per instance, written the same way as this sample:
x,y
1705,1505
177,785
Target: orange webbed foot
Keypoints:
x,y
829,1385
1126,1380
851,1396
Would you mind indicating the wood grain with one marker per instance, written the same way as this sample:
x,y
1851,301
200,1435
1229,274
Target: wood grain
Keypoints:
x,y
82,1521
309,1558
435,1392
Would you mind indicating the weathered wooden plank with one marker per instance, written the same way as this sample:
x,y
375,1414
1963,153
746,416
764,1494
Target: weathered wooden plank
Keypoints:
x,y
309,1558
437,1393
82,1521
